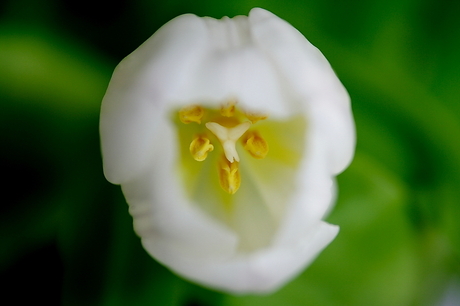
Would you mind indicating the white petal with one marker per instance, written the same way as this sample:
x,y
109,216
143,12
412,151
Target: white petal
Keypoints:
x,y
312,78
233,67
202,250
314,196
164,218
137,94
263,271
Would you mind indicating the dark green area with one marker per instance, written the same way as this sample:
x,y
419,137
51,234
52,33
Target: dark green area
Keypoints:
x,y
66,235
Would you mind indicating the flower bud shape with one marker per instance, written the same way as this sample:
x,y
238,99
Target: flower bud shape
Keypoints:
x,y
225,136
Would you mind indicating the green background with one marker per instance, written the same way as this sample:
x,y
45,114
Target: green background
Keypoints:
x,y
66,235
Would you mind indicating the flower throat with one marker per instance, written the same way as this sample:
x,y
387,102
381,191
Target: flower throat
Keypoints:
x,y
226,126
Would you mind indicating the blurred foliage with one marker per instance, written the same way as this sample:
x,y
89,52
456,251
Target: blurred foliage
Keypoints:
x,y
66,235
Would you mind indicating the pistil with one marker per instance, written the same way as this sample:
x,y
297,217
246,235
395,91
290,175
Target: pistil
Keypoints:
x,y
228,137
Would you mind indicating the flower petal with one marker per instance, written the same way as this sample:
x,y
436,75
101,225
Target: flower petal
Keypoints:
x,y
137,94
164,217
200,249
231,66
310,75
260,272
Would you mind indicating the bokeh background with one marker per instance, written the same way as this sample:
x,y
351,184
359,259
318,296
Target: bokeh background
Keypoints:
x,y
66,237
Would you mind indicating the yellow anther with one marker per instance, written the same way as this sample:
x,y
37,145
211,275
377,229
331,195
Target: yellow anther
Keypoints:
x,y
228,109
192,113
255,144
200,147
254,117
229,175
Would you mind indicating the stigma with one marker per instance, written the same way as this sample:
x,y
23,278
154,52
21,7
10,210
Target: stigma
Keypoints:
x,y
226,125
228,137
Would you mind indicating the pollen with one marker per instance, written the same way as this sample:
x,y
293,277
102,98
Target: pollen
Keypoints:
x,y
200,147
255,144
254,117
192,113
228,109
229,175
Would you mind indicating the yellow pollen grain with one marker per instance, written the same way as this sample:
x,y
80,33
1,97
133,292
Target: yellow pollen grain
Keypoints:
x,y
228,109
253,117
200,147
192,113
229,175
255,144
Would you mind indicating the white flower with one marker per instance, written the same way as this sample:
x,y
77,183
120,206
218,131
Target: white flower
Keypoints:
x,y
225,136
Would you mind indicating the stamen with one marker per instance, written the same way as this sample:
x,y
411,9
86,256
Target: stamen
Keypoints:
x,y
192,113
200,147
255,144
254,117
228,127
228,137
228,109
229,175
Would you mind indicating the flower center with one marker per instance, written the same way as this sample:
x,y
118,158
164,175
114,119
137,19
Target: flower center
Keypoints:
x,y
228,125
229,172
